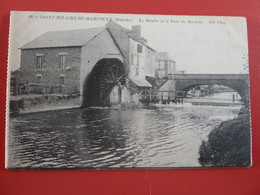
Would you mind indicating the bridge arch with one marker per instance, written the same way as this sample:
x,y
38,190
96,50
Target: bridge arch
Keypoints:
x,y
194,86
238,89
239,83
107,74
186,89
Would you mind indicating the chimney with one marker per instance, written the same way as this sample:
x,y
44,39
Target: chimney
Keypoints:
x,y
136,29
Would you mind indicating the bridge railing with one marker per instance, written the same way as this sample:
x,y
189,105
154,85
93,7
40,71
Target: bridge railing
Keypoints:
x,y
160,95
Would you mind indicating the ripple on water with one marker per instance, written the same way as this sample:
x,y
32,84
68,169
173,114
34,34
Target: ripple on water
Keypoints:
x,y
164,137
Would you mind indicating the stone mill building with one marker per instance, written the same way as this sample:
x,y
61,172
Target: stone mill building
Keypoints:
x,y
98,64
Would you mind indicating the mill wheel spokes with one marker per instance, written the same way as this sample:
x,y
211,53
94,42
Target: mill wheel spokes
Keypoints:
x,y
110,77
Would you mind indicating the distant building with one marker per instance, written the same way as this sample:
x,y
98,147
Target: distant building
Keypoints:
x,y
16,87
164,65
179,72
150,61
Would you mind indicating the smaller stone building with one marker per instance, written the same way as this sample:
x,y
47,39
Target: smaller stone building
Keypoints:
x,y
164,65
139,56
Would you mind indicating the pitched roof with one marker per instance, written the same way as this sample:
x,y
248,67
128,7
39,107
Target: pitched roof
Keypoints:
x,y
66,38
127,32
163,56
140,82
168,86
112,24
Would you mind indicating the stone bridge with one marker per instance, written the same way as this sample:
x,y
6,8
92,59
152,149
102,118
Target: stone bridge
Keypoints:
x,y
238,82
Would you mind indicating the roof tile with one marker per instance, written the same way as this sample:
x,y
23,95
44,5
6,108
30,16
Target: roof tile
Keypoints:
x,y
67,38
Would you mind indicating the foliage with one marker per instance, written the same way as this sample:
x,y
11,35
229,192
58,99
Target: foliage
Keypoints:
x,y
228,144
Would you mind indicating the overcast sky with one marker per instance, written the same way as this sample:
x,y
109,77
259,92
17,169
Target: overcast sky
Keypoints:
x,y
197,44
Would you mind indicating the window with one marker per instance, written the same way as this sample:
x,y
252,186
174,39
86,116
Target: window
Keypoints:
x,y
148,67
137,71
148,54
38,78
137,60
62,79
170,67
40,62
131,46
139,48
132,59
62,61
165,64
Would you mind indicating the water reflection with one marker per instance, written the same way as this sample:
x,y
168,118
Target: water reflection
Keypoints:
x,y
77,138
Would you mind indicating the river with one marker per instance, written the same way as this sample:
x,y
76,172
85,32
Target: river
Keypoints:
x,y
160,137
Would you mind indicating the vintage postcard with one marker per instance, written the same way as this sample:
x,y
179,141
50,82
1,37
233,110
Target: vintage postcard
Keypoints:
x,y
121,91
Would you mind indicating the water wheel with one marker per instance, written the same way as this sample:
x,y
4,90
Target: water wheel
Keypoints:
x,y
110,77
104,77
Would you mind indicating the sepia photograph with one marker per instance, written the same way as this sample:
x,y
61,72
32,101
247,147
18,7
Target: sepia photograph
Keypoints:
x,y
125,91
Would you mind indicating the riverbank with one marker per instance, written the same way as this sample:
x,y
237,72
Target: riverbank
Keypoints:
x,y
40,103
229,144
33,103
208,101
123,106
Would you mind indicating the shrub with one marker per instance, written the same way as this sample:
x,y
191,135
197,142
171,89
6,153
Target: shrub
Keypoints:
x,y
229,144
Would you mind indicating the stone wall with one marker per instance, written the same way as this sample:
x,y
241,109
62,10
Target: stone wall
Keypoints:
x,y
238,82
51,71
126,97
44,103
122,39
99,48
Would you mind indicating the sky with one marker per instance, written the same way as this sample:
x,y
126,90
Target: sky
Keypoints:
x,y
198,44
